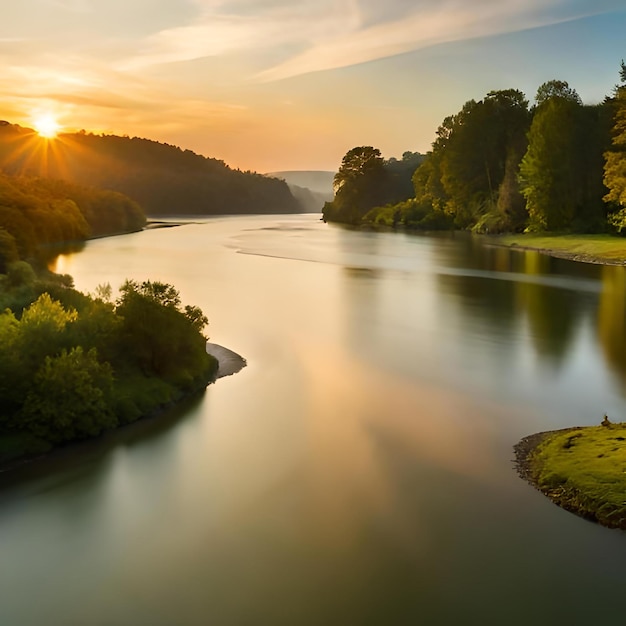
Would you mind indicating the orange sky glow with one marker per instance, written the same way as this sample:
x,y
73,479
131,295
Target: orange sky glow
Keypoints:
x,y
273,85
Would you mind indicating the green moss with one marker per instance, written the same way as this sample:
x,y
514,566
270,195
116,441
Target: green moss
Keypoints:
x,y
581,469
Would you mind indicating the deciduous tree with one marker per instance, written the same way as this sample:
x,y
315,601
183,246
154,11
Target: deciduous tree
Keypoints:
x,y
359,185
615,164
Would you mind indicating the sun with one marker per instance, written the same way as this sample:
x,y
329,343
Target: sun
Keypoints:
x,y
47,126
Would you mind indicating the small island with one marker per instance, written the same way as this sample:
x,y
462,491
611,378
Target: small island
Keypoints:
x,y
582,469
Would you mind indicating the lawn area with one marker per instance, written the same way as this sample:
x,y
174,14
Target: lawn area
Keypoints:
x,y
583,470
598,248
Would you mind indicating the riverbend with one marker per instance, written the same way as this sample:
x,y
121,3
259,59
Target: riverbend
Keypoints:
x,y
359,469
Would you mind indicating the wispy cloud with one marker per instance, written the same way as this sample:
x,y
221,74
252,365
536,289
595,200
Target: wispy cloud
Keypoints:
x,y
444,22
247,26
316,35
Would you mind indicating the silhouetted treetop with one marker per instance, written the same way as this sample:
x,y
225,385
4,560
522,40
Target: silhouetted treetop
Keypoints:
x,y
556,89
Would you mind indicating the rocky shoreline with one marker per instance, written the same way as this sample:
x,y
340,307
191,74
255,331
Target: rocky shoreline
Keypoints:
x,y
525,449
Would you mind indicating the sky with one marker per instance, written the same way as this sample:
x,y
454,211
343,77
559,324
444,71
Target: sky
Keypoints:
x,y
272,85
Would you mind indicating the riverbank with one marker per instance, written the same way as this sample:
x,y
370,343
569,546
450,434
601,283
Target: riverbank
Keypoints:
x,y
600,249
228,363
581,469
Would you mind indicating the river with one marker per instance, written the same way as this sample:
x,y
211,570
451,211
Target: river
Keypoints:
x,y
359,469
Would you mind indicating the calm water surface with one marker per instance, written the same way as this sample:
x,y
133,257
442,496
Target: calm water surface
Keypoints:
x,y
358,471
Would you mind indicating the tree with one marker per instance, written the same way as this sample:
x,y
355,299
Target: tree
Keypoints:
x,y
359,185
399,179
615,159
42,328
69,397
561,172
550,168
20,274
427,182
511,203
158,335
8,250
556,89
467,166
10,374
594,139
72,365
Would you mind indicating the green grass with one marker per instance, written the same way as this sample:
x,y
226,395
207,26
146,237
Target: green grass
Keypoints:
x,y
584,470
589,247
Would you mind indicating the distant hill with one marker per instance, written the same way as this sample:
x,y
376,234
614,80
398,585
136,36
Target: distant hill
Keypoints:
x,y
163,179
311,188
309,201
318,181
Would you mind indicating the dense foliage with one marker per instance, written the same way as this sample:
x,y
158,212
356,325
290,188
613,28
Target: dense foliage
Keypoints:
x,y
561,172
74,365
500,165
615,167
37,211
366,180
164,179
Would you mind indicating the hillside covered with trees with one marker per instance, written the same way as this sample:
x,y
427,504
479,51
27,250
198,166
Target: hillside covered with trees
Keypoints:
x,y
35,212
163,179
501,165
74,365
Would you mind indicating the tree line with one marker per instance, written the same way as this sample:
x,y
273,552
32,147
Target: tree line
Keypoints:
x,y
502,165
38,211
73,365
163,179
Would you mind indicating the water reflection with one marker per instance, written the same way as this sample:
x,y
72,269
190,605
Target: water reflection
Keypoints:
x,y
359,470
551,313
612,320
547,295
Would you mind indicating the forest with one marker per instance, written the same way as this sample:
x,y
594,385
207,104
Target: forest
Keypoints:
x,y
35,212
73,365
501,165
163,179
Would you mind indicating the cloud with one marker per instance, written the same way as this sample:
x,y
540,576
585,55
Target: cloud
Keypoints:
x,y
316,35
217,37
246,26
445,22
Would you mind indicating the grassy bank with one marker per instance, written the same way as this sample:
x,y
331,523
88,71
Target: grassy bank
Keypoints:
x,y
607,249
582,470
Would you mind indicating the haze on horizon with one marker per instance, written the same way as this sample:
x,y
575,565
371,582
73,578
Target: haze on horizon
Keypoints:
x,y
273,85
